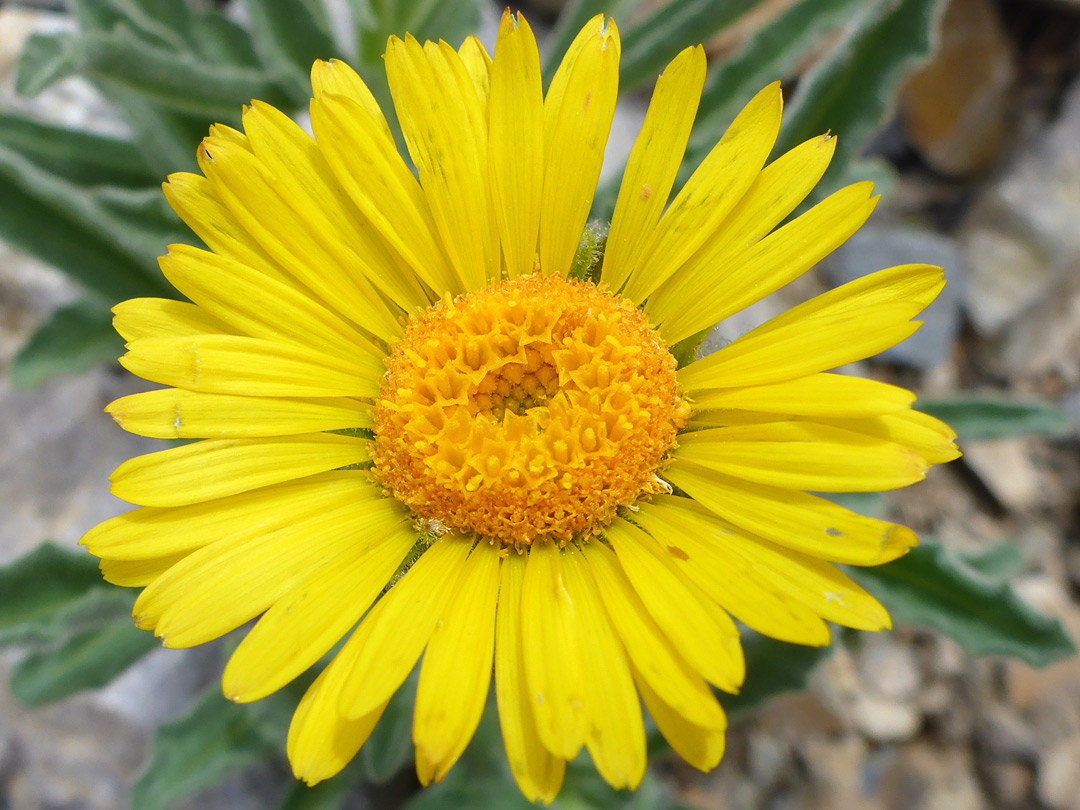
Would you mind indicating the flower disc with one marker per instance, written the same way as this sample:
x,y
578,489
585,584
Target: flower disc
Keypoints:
x,y
532,408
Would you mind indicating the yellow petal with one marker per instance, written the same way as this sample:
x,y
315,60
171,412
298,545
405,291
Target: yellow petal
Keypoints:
x,y
931,438
311,190
577,118
215,468
139,318
850,323
219,587
310,619
228,364
259,306
516,143
821,395
160,532
479,66
653,164
334,77
171,413
700,297
802,578
456,672
707,639
802,455
538,773
796,520
254,196
194,200
615,733
649,649
446,131
550,652
394,633
321,741
381,186
137,573
701,746
709,195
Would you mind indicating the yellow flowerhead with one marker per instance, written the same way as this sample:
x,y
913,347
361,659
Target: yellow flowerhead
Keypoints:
x,y
418,429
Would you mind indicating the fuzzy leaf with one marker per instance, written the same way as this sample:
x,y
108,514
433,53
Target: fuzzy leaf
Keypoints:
x,y
978,418
289,35
390,747
932,587
572,19
74,339
45,58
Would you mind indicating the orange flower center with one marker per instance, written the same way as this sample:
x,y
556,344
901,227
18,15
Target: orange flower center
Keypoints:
x,y
530,409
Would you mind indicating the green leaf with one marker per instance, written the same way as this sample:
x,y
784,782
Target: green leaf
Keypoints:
x,y
219,39
166,138
328,795
377,20
161,23
572,19
74,339
772,52
772,667
214,738
76,156
932,587
390,747
86,661
289,35
1000,562
176,80
850,91
38,587
45,58
648,45
976,418
100,603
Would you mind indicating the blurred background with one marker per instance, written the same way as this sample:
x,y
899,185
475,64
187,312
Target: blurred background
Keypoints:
x,y
967,115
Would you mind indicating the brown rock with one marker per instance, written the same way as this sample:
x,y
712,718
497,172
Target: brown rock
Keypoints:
x,y
1058,782
956,105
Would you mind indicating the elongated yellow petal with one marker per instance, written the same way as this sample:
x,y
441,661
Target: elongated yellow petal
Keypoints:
x,y
219,587
446,132
139,318
850,323
550,652
516,143
228,364
479,66
707,639
395,632
215,468
310,619
367,165
253,195
334,77
615,733
321,741
796,520
819,395
709,195
701,746
653,164
538,773
802,455
931,438
649,649
194,200
137,573
456,672
727,578
577,118
172,413
160,532
256,305
312,191
760,268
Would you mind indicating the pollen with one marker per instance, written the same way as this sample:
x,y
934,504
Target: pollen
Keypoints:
x,y
531,409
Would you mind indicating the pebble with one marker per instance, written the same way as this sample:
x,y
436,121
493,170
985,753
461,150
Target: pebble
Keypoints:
x,y
888,667
1058,782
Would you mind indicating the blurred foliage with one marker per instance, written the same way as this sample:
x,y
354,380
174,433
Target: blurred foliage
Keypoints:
x,y
90,206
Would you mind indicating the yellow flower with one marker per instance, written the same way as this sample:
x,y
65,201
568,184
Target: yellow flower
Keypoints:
x,y
413,418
